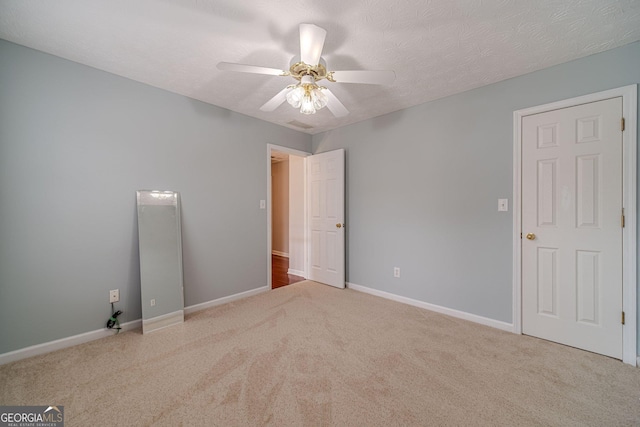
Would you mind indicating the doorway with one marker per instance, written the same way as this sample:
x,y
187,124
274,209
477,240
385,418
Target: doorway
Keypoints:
x,y
286,216
574,253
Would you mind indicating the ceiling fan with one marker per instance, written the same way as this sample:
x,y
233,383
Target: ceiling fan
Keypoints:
x,y
308,69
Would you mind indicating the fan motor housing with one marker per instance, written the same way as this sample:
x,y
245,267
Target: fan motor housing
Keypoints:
x,y
318,72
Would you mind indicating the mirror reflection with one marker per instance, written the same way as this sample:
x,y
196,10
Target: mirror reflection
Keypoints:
x,y
160,243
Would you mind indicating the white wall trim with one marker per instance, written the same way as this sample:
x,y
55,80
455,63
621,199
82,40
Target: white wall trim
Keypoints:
x,y
224,300
296,272
278,253
629,236
273,147
71,341
432,307
160,322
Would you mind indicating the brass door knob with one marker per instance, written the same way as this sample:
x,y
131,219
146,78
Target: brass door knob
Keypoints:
x,y
339,225
531,236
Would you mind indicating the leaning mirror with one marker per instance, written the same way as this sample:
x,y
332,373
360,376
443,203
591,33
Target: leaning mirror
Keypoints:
x,y
160,243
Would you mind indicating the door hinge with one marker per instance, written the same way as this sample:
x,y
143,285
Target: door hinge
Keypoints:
x,y
622,124
623,317
521,235
622,218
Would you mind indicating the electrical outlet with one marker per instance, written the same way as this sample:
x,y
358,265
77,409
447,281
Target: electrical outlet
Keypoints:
x,y
114,295
396,271
153,302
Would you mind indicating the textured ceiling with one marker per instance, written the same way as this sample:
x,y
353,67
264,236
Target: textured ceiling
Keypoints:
x,y
436,47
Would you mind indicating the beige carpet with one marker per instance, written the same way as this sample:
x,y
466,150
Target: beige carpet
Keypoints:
x,y
311,355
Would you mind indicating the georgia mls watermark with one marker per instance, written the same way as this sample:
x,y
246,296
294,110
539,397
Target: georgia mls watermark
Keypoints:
x,y
31,416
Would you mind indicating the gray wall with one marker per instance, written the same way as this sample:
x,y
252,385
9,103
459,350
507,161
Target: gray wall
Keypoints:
x,y
423,186
75,145
422,190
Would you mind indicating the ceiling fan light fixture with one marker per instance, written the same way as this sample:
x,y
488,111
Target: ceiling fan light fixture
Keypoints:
x,y
294,97
307,96
308,68
307,106
320,99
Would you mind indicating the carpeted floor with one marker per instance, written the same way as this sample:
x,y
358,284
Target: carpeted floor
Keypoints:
x,y
312,355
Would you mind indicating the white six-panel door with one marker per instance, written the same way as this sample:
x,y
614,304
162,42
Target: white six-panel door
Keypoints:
x,y
325,206
571,224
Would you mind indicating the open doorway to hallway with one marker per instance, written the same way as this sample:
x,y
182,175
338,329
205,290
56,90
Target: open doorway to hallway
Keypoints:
x,y
280,272
287,219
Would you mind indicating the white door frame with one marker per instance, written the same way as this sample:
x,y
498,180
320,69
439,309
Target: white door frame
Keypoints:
x,y
292,151
629,196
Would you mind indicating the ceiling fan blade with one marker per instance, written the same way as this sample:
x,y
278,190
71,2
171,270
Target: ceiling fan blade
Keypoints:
x,y
275,102
383,77
334,105
311,43
228,66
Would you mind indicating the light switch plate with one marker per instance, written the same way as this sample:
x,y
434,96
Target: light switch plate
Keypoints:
x,y
263,204
503,205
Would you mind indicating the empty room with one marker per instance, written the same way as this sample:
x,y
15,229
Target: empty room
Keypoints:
x,y
367,213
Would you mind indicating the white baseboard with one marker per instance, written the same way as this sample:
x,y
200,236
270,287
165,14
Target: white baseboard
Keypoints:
x,y
638,361
160,322
437,308
50,346
278,253
296,272
224,300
